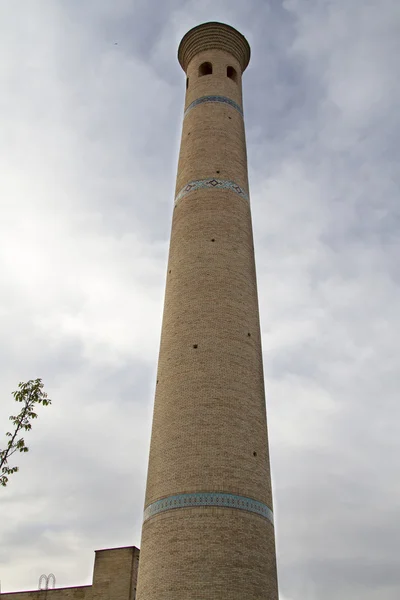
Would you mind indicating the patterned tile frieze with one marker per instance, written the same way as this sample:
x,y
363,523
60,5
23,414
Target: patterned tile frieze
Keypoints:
x,y
221,499
215,99
211,183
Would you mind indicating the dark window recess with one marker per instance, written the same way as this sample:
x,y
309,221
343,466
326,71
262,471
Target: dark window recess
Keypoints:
x,y
187,82
194,345
249,334
217,171
213,240
254,453
205,69
232,73
169,271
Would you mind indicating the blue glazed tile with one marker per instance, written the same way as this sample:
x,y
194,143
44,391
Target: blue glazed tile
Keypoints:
x,y
215,99
211,183
221,499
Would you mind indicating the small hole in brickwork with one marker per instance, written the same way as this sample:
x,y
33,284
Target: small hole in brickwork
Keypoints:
x,y
169,271
213,240
254,453
194,345
157,380
249,334
229,117
217,171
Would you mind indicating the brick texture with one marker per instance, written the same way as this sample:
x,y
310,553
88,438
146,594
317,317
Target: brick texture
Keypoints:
x,y
114,578
209,426
73,593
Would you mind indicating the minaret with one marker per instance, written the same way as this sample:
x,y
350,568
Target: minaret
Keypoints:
x,y
208,530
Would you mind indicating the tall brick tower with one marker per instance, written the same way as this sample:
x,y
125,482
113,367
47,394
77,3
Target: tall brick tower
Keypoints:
x,y
208,527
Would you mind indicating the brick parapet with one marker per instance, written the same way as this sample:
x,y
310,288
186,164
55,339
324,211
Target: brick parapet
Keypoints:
x,y
114,576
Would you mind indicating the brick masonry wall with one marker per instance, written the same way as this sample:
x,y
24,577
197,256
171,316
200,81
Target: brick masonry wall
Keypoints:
x,y
208,553
209,430
73,593
114,578
116,570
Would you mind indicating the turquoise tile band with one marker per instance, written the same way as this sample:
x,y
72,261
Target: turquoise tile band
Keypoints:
x,y
212,183
215,99
221,499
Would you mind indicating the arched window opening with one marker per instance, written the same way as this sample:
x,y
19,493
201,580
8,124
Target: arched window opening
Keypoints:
x,y
187,82
232,73
205,69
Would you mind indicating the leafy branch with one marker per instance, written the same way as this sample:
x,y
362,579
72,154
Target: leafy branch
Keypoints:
x,y
29,394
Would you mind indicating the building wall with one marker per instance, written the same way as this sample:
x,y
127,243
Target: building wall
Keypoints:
x,y
114,578
74,593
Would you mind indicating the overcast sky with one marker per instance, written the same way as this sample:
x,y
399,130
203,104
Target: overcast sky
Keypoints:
x,y
91,108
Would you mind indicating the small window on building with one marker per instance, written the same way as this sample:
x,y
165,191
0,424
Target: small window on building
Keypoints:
x,y
205,69
232,73
187,82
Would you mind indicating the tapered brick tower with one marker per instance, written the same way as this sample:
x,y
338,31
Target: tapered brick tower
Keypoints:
x,y
208,529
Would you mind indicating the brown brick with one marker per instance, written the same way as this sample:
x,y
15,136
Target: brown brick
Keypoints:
x,y
209,426
114,578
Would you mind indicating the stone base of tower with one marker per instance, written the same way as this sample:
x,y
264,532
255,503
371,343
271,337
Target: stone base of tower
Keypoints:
x,y
225,554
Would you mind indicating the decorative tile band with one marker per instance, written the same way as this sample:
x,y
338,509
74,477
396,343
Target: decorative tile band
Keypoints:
x,y
221,99
209,499
212,183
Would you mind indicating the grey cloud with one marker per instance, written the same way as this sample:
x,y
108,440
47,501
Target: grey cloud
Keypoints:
x,y
90,155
